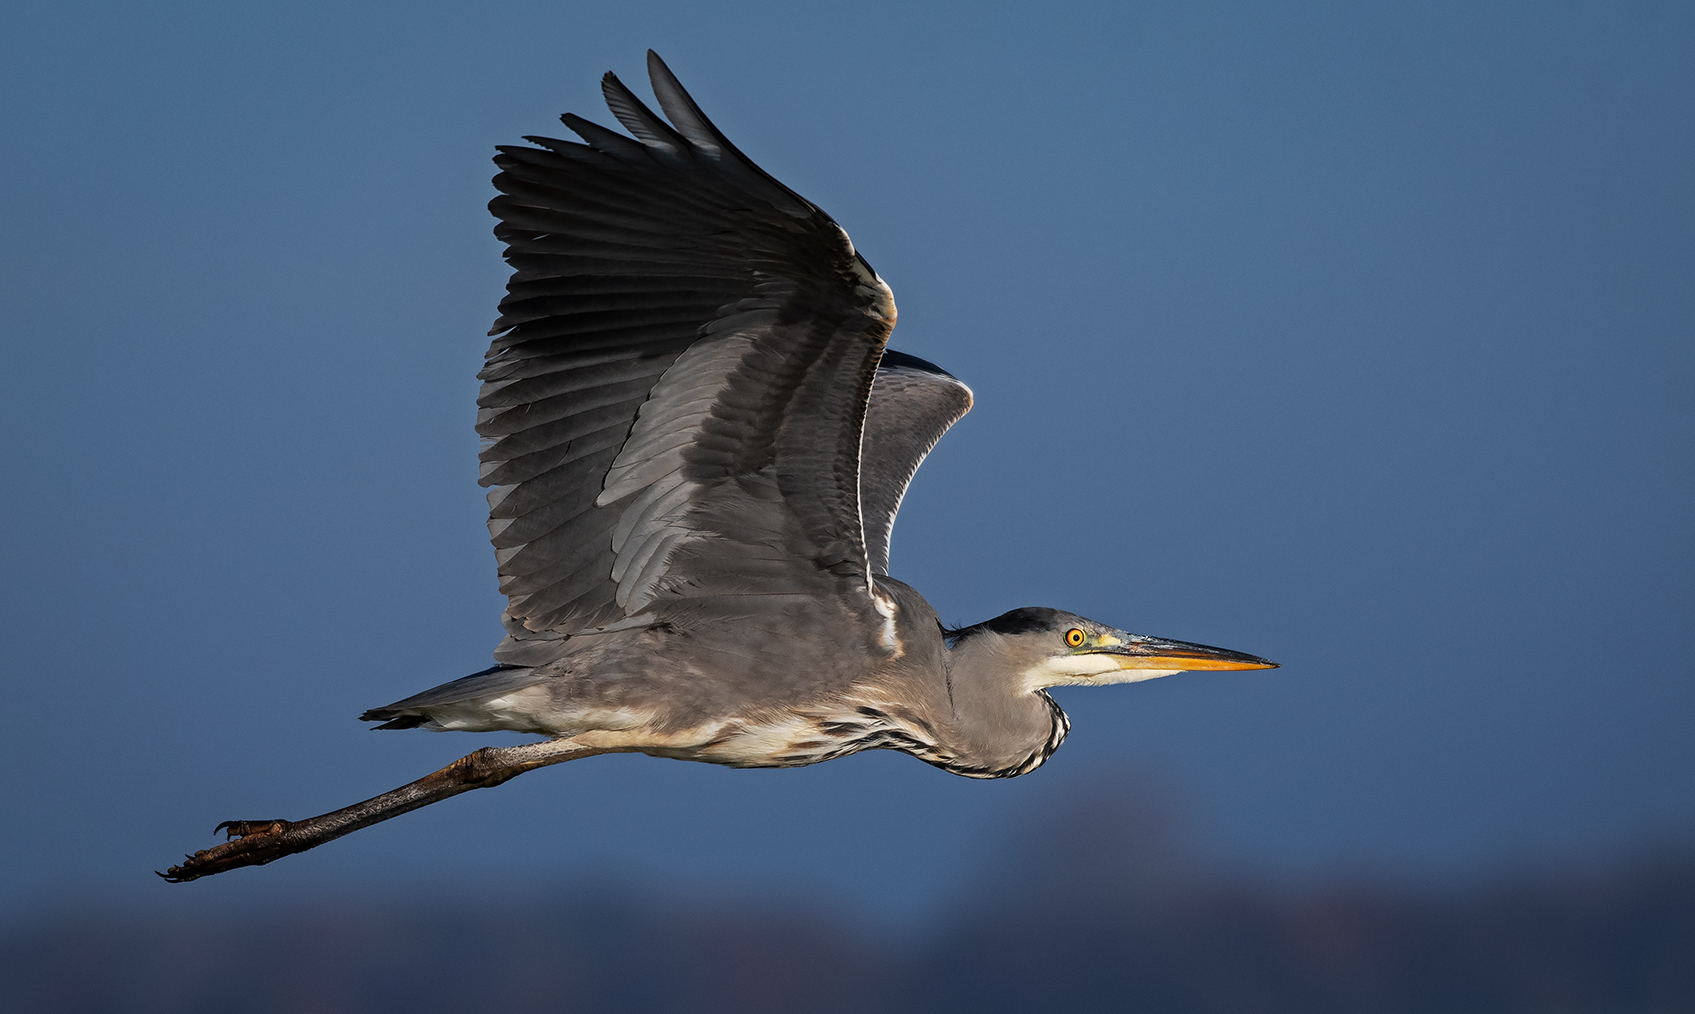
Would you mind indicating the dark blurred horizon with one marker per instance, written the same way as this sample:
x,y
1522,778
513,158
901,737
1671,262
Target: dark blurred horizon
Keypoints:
x,y
1099,904
1360,336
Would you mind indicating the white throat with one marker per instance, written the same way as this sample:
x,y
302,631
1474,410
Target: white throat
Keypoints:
x,y
1091,670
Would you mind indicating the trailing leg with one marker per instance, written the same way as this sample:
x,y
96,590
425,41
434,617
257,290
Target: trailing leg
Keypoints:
x,y
257,842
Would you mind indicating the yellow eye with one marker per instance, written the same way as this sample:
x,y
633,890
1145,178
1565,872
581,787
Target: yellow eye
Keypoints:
x,y
1075,637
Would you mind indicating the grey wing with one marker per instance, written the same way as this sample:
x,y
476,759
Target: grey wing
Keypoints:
x,y
674,404
913,403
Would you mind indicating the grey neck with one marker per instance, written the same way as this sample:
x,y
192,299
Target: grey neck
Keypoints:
x,y
997,729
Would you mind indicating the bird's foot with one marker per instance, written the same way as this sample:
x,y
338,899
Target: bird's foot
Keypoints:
x,y
251,843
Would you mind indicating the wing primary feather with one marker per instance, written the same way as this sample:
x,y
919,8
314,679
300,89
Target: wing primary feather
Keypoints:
x,y
639,120
687,115
608,142
680,108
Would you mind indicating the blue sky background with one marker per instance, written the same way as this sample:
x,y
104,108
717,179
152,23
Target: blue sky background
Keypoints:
x,y
1356,335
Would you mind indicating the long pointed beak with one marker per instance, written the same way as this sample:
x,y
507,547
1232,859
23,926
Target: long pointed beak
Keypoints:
x,y
1137,652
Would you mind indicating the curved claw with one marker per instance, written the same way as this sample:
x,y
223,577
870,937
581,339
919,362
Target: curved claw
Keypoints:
x,y
251,843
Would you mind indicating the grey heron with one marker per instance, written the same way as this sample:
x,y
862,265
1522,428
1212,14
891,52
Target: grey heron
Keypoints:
x,y
695,443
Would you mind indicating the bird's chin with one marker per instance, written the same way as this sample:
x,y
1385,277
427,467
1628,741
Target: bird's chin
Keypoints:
x,y
1134,675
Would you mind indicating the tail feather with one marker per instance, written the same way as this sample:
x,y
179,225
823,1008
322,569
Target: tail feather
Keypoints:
x,y
491,682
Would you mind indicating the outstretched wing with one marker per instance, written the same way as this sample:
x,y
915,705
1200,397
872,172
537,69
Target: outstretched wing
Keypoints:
x,y
675,401
912,404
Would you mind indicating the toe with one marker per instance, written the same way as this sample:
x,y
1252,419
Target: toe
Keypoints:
x,y
243,828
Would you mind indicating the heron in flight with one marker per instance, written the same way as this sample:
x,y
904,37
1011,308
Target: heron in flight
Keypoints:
x,y
695,442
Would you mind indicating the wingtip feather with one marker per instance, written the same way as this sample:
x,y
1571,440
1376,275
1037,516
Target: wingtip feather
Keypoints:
x,y
638,119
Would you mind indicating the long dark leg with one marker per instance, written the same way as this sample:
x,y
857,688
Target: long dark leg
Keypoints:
x,y
257,842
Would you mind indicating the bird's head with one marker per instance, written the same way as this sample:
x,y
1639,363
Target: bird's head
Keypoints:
x,y
1052,648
